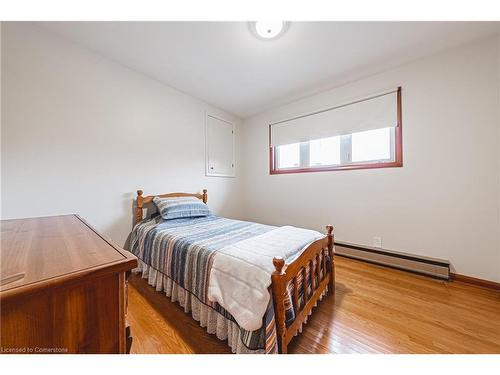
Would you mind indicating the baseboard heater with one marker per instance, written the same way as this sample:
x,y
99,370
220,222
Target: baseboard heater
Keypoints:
x,y
438,268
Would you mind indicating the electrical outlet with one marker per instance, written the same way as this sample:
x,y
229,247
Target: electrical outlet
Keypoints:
x,y
377,242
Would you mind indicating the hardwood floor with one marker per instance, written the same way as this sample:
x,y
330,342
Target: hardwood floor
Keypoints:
x,y
376,310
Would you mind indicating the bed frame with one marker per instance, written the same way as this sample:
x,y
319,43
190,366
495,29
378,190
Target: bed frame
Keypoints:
x,y
313,259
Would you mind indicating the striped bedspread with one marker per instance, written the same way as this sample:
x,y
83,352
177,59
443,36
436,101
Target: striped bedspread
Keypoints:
x,y
183,250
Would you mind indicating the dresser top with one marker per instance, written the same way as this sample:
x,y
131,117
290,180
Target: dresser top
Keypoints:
x,y
39,252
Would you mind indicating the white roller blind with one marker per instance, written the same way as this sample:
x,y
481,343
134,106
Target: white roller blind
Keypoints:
x,y
373,113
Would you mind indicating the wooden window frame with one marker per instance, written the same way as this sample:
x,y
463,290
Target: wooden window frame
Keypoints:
x,y
398,151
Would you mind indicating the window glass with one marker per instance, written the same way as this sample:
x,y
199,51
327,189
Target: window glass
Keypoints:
x,y
324,151
289,156
371,145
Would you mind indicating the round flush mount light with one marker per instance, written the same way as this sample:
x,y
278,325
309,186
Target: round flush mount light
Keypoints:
x,y
268,30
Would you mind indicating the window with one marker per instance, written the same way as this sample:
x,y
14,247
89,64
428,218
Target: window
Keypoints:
x,y
372,145
324,151
325,143
289,156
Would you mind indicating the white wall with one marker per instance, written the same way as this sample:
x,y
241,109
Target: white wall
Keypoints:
x,y
444,201
81,133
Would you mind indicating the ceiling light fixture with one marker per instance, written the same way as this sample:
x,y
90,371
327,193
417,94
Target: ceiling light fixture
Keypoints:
x,y
268,30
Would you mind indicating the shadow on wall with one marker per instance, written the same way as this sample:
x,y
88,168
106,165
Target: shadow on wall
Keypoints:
x,y
130,205
119,230
231,205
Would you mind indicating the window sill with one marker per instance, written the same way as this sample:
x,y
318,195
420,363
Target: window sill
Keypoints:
x,y
338,168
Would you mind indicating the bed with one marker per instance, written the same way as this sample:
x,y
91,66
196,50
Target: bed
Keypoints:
x,y
251,284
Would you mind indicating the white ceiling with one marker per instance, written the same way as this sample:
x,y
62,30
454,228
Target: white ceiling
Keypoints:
x,y
223,64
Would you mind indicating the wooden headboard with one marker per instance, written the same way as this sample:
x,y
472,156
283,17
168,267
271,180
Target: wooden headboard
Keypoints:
x,y
141,201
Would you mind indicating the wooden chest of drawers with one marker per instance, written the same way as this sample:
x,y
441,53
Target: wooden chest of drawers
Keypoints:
x,y
62,288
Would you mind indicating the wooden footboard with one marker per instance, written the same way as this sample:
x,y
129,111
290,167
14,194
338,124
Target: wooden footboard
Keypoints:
x,y
317,261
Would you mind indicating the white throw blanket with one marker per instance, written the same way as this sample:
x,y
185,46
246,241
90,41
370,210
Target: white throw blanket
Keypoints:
x,y
241,273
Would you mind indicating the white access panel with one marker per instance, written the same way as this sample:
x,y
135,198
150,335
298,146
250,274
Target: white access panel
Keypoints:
x,y
219,147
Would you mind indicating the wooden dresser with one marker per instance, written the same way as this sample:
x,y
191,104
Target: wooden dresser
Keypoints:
x,y
62,288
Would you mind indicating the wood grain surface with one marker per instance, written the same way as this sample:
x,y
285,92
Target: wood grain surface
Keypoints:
x,y
375,310
63,288
37,252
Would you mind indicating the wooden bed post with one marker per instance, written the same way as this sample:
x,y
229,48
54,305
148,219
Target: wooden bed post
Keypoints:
x,y
331,283
138,208
205,196
278,286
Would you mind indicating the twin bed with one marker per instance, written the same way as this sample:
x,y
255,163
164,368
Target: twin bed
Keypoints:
x,y
251,284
